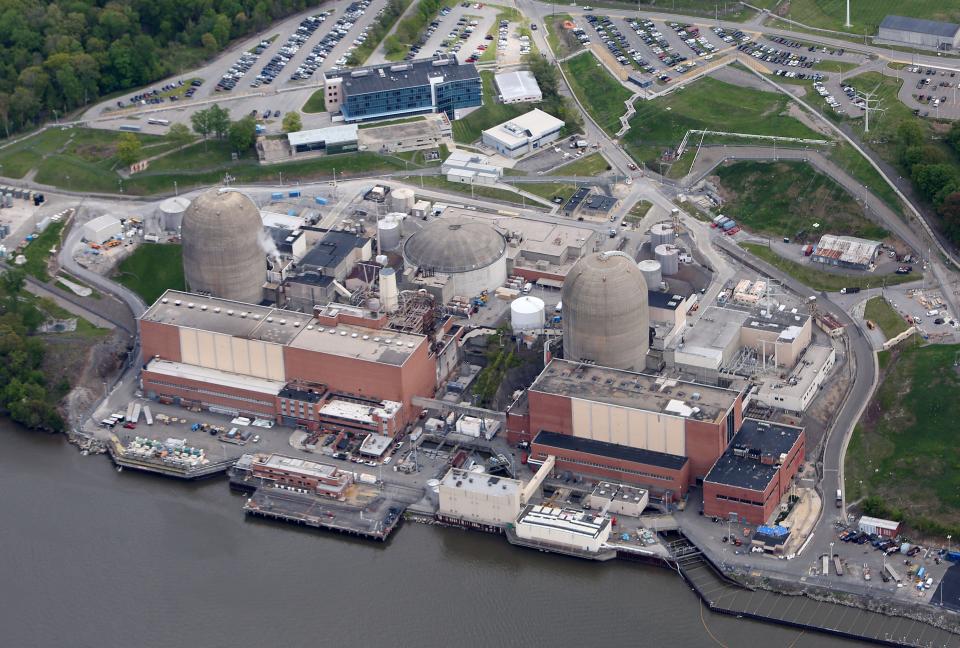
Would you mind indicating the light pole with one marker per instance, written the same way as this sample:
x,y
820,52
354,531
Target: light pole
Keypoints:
x,y
847,24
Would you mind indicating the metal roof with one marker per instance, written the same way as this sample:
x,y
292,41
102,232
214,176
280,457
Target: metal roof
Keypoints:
x,y
609,450
920,26
756,440
330,135
523,128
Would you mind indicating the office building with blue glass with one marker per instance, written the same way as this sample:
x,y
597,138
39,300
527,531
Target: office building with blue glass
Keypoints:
x,y
398,89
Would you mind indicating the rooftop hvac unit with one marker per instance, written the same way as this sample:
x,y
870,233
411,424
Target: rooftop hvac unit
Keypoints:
x,y
400,68
440,62
359,73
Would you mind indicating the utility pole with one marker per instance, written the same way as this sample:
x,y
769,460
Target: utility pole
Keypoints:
x,y
871,103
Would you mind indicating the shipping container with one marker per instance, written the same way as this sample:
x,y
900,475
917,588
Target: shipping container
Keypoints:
x,y
837,566
320,200
276,195
294,194
892,572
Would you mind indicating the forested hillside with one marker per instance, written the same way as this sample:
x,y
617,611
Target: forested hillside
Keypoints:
x,y
61,55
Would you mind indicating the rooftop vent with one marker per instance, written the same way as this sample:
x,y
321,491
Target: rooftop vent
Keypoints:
x,y
269,319
343,333
164,300
190,305
176,303
354,335
244,314
230,312
216,309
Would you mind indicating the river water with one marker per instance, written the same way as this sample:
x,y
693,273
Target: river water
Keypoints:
x,y
92,557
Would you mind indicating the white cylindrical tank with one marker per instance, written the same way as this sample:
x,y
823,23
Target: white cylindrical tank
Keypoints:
x,y
669,258
171,213
388,229
662,234
526,314
402,200
650,270
389,295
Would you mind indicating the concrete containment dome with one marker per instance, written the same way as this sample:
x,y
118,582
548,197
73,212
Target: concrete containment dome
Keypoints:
x,y
222,254
605,313
471,254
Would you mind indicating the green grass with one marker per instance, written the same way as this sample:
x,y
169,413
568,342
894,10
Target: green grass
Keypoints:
x,y
881,313
735,11
904,455
600,93
87,148
491,113
38,251
809,275
848,159
561,40
638,212
392,122
588,165
708,104
866,16
247,170
784,198
316,103
85,328
152,269
548,189
835,66
479,191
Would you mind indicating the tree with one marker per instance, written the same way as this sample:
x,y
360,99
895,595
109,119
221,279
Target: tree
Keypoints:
x,y
910,133
179,134
209,43
953,137
292,122
950,213
243,134
219,120
200,121
932,178
129,149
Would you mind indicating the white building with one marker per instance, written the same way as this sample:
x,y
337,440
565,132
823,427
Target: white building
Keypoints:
x,y
518,87
101,229
563,527
619,499
471,168
524,134
802,385
480,498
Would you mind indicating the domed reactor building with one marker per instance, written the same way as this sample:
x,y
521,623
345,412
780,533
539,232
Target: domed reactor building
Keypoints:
x,y
222,255
605,313
470,254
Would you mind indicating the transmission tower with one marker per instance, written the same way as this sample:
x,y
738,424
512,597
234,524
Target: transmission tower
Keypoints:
x,y
871,103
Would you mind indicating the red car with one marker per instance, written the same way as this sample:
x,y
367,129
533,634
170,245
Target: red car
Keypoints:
x,y
130,426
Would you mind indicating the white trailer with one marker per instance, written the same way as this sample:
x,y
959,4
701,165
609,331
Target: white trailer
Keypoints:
x,y
147,416
136,413
130,407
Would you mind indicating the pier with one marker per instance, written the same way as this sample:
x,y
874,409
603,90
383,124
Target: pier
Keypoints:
x,y
375,522
159,467
724,596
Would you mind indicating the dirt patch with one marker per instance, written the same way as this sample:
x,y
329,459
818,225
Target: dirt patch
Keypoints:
x,y
87,363
94,152
801,115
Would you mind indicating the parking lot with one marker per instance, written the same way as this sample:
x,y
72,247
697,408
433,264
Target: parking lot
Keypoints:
x,y
459,30
930,93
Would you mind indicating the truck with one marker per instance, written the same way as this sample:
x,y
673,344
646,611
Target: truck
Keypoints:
x,y
366,478
826,564
580,144
839,498
729,224
849,291
892,573
718,219
837,565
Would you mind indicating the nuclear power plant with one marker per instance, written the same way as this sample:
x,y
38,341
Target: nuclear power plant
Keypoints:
x,y
605,313
222,253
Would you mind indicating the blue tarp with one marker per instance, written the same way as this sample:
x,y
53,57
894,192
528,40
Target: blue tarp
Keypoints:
x,y
773,531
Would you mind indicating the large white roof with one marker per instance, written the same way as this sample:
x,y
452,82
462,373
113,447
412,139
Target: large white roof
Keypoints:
x,y
520,84
532,125
330,135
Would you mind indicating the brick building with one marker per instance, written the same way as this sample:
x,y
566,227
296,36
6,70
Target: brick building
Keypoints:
x,y
283,365
322,479
749,481
663,474
632,410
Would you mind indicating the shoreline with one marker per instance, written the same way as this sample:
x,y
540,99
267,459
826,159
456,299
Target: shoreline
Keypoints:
x,y
693,565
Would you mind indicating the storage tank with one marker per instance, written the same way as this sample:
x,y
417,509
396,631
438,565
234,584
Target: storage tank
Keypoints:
x,y
388,231
606,318
650,270
662,234
402,200
171,213
222,254
669,258
526,314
